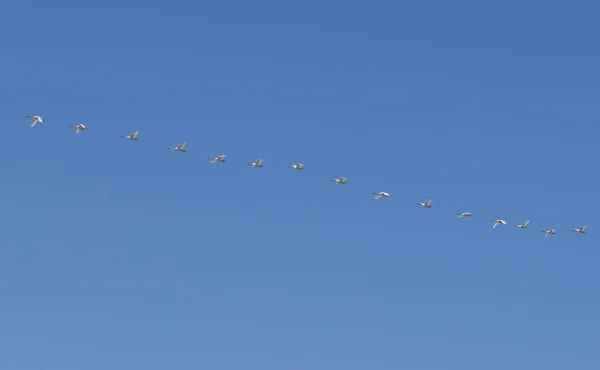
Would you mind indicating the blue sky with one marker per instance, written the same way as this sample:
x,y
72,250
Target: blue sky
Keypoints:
x,y
123,255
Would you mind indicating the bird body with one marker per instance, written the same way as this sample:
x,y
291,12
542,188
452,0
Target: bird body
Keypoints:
x,y
79,127
341,180
220,159
132,136
580,230
464,214
179,148
298,166
257,164
426,204
35,120
381,194
497,222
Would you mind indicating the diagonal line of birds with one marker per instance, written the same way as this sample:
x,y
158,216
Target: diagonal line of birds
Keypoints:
x,y
299,167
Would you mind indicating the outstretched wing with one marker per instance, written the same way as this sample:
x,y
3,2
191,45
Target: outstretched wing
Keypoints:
x,y
259,163
134,135
181,146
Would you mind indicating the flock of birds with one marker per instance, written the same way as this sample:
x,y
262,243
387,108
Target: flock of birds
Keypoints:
x,y
299,166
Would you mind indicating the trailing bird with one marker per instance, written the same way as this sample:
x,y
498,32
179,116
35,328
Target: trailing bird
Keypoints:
x,y
464,214
257,164
498,222
548,232
298,166
220,158
132,136
35,119
179,148
523,225
79,127
381,194
426,204
341,180
581,230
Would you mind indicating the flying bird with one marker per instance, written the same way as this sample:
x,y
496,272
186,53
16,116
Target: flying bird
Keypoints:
x,y
523,225
381,194
498,222
464,214
341,180
298,166
580,230
179,148
426,204
548,232
220,158
132,136
35,119
79,127
257,164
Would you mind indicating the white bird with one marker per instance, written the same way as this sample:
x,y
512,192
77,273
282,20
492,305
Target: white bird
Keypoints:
x,y
220,158
132,136
498,222
341,180
298,166
257,164
179,148
581,230
548,232
523,225
464,214
79,127
381,194
35,119
426,204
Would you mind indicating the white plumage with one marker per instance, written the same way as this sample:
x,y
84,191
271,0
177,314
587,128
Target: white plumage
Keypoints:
x,y
132,136
381,194
79,127
498,222
220,159
426,204
35,120
523,225
179,148
341,180
257,164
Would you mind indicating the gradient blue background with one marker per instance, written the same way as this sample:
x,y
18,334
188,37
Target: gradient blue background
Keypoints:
x,y
123,255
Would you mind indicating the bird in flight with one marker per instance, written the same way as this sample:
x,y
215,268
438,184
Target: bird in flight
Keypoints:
x,y
79,127
298,166
498,222
257,164
179,148
132,136
426,204
220,158
580,230
35,120
523,225
464,214
341,180
548,232
381,194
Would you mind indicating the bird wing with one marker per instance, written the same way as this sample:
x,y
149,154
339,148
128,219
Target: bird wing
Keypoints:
x,y
77,129
582,228
258,162
526,223
34,121
342,179
135,134
428,202
180,146
502,222
221,157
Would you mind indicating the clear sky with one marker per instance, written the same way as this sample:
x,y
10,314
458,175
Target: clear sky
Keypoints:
x,y
122,255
